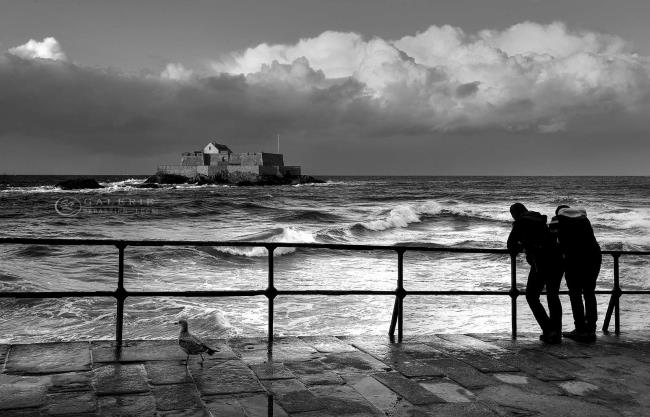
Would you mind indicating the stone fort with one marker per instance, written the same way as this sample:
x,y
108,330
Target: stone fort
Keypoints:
x,y
217,160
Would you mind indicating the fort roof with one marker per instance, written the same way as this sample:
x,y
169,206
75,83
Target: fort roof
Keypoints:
x,y
220,147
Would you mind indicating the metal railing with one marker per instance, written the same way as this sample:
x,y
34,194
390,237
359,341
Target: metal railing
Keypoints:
x,y
397,319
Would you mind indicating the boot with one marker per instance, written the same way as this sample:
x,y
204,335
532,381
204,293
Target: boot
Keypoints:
x,y
573,334
584,334
552,337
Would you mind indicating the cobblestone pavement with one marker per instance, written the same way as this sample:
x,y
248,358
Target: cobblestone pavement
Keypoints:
x,y
448,374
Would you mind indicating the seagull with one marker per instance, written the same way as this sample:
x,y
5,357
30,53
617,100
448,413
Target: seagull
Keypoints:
x,y
191,344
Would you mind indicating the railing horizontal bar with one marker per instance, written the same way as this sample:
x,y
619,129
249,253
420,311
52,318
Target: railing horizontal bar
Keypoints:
x,y
424,292
114,242
336,292
56,294
242,293
79,294
443,292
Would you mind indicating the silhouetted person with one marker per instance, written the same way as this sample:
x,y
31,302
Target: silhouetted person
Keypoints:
x,y
582,260
530,233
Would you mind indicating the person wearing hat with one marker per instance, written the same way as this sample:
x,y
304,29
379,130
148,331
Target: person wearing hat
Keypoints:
x,y
531,234
582,260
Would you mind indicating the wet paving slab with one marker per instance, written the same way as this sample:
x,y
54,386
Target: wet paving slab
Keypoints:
x,y
474,374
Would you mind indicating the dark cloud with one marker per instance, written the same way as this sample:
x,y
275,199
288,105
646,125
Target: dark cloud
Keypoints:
x,y
105,110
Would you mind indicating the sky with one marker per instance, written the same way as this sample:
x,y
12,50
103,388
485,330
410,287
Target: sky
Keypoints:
x,y
500,87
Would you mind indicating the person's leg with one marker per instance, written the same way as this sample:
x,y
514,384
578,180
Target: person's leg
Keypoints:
x,y
534,287
589,288
572,275
553,280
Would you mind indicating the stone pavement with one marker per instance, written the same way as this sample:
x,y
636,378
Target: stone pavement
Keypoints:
x,y
448,374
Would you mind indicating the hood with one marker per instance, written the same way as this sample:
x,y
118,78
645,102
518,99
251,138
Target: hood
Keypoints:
x,y
572,213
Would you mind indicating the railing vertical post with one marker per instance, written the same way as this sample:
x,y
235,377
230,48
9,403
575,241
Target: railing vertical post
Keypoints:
x,y
514,293
393,319
617,289
613,300
401,293
271,293
120,296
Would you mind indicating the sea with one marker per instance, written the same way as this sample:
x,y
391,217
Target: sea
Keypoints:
x,y
452,212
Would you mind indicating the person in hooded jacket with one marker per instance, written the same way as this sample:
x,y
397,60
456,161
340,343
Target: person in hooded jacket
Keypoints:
x,y
582,260
531,234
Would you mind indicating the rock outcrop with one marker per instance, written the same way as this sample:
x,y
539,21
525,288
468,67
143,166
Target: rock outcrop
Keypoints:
x,y
79,184
235,178
161,178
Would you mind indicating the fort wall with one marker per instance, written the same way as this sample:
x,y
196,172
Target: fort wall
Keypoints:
x,y
186,171
273,170
192,160
218,160
291,171
248,169
270,159
250,158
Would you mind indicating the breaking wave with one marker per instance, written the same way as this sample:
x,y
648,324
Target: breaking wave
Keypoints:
x,y
623,219
404,215
282,234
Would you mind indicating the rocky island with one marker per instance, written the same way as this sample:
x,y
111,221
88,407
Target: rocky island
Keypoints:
x,y
217,164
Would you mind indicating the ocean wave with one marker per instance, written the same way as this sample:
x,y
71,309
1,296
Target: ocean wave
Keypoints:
x,y
307,216
36,251
129,182
281,234
28,190
404,215
326,184
631,243
5,277
622,218
133,184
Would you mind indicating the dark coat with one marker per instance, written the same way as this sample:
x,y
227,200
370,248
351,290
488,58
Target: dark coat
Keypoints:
x,y
531,234
574,234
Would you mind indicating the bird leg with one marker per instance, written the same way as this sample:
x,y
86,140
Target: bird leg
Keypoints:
x,y
187,360
202,359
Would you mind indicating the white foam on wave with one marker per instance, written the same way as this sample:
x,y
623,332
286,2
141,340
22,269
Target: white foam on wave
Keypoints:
x,y
403,215
128,184
38,189
195,186
619,219
288,234
400,216
325,184
203,317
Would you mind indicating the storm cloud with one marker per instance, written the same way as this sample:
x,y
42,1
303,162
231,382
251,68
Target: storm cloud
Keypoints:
x,y
536,78
526,77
